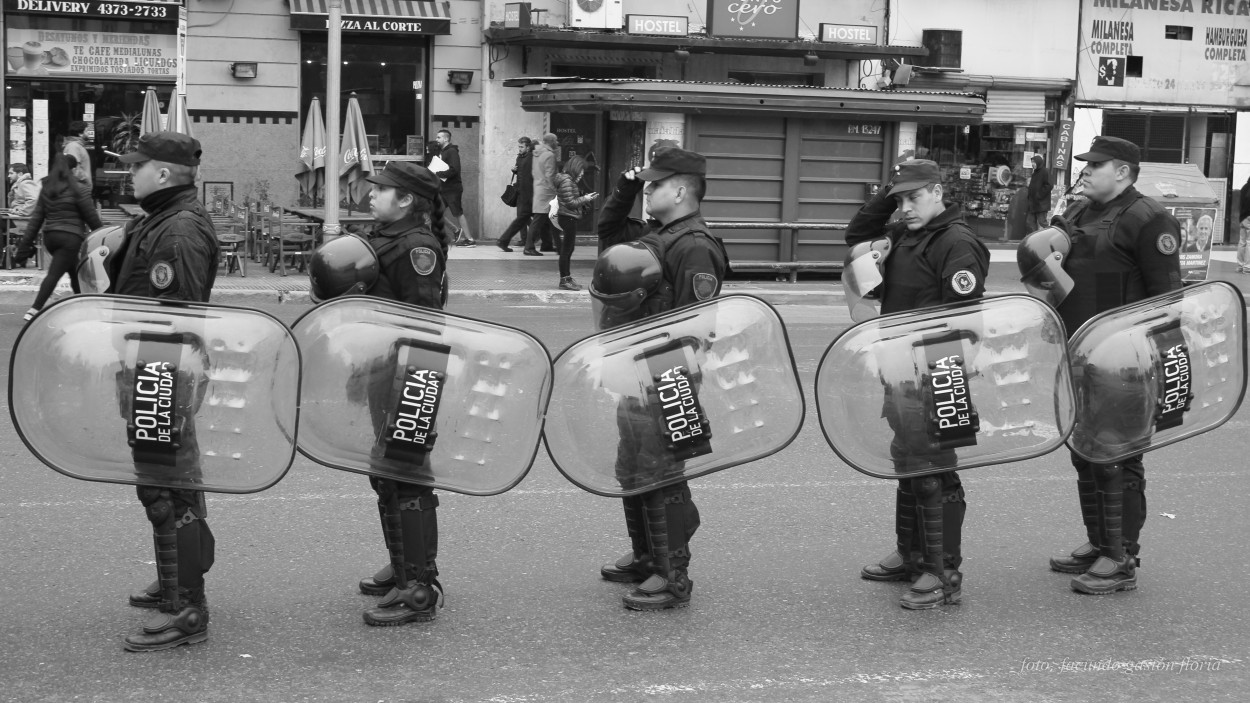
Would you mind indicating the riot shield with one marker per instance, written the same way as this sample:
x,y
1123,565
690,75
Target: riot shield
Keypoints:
x,y
948,387
1158,371
673,397
174,395
419,395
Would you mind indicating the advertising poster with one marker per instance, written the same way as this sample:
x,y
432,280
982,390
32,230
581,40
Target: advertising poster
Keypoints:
x,y
1197,228
69,54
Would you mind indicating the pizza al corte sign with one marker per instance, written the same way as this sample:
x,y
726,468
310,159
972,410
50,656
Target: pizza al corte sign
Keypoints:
x,y
753,19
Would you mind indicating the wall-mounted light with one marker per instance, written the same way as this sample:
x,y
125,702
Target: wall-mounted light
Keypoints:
x,y
810,58
460,79
682,55
243,69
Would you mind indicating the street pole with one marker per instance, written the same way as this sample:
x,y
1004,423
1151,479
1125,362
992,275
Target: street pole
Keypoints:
x,y
334,159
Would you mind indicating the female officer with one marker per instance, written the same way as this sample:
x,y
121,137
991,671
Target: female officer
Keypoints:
x,y
412,261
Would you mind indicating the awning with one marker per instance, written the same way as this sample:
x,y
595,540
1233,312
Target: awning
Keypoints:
x,y
376,16
640,96
1014,107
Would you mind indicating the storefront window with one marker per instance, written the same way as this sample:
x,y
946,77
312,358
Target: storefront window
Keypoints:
x,y
982,165
389,78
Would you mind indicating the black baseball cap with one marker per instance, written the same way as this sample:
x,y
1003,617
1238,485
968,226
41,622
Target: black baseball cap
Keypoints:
x,y
913,174
410,176
170,147
670,160
1108,148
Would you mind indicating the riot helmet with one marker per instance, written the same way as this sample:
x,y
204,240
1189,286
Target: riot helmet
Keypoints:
x,y
863,275
1040,258
344,266
96,256
625,275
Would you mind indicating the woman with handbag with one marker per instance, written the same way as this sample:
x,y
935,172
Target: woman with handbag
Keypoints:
x,y
570,208
66,214
519,193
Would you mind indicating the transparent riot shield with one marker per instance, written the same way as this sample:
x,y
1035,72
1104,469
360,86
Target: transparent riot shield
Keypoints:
x,y
673,397
419,395
174,395
949,387
1158,371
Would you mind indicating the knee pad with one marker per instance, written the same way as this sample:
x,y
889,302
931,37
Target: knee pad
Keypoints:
x,y
926,486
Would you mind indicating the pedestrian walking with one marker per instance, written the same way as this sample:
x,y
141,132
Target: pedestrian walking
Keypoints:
x,y
683,264
934,259
1040,187
75,146
453,189
65,214
408,265
170,253
1124,248
572,208
524,174
544,175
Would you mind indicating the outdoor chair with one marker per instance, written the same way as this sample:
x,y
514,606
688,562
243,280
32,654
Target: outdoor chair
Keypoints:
x,y
288,237
230,239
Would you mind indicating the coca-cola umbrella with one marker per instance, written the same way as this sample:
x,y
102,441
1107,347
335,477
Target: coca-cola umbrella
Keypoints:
x,y
354,162
177,120
150,120
311,172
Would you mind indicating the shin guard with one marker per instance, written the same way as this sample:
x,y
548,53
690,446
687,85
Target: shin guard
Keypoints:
x,y
636,524
392,529
1134,513
420,534
905,519
682,518
1087,491
160,510
1109,479
954,508
929,499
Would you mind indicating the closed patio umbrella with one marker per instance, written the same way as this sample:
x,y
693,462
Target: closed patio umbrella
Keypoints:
x,y
355,165
311,171
151,115
178,120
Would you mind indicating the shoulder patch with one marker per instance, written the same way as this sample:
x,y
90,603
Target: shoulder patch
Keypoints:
x,y
963,282
423,260
1166,244
161,274
704,285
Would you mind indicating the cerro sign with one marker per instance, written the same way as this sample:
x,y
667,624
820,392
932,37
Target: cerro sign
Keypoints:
x,y
657,24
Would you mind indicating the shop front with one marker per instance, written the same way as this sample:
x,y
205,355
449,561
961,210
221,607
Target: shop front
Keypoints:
x,y
89,62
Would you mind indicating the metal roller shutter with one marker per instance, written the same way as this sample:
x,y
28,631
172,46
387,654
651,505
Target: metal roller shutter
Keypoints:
x,y
1014,107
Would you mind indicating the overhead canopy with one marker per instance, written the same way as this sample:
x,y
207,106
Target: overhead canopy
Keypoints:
x,y
695,43
643,96
376,16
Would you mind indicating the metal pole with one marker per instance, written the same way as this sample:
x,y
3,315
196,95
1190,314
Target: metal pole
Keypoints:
x,y
334,159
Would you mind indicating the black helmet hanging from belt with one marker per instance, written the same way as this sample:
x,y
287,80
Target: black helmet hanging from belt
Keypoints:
x,y
625,275
343,266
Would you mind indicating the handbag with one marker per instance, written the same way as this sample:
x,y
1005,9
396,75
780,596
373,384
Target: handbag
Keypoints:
x,y
510,193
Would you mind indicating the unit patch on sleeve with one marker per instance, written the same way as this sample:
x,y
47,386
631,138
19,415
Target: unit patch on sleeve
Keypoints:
x,y
964,282
423,260
161,275
1166,244
704,285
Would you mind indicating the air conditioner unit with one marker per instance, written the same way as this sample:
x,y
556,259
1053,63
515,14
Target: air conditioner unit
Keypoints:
x,y
596,14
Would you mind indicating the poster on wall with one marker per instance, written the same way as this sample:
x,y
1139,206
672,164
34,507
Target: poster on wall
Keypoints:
x,y
1183,52
69,54
1197,226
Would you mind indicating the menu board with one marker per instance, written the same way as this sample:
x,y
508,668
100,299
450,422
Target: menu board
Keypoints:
x,y
59,53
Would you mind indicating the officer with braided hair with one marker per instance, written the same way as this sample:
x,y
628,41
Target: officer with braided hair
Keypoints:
x,y
408,264
681,264
934,259
1123,249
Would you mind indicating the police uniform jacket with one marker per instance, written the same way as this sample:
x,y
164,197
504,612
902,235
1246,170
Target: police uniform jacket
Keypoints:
x,y
942,263
413,263
171,252
1123,251
694,261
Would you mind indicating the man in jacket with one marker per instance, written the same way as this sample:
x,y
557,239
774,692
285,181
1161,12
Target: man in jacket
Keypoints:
x,y
523,172
544,173
170,253
76,147
935,259
1039,194
453,188
23,191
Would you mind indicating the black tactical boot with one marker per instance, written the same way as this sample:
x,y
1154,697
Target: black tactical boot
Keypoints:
x,y
892,568
417,603
1107,576
149,597
660,593
166,630
379,584
631,568
929,591
1078,562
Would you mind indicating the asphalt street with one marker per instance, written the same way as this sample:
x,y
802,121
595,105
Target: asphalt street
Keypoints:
x,y
779,612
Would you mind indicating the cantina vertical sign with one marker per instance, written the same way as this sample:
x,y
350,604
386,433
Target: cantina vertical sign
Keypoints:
x,y
753,19
1187,52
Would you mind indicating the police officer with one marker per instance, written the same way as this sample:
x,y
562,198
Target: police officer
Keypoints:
x,y
692,265
170,253
1123,249
935,259
412,262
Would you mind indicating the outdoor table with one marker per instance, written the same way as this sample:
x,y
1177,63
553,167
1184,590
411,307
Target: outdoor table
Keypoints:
x,y
319,214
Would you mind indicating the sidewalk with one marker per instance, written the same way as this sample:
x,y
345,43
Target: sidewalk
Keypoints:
x,y
486,272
